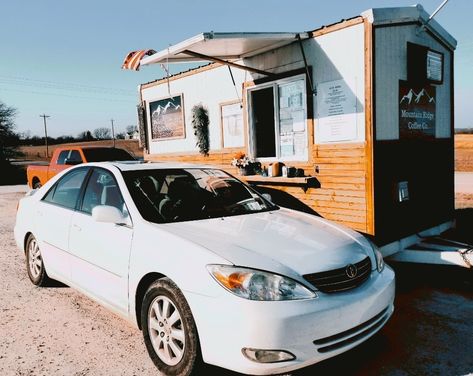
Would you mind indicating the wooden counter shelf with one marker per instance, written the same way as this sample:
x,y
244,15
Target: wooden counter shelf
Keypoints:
x,y
303,182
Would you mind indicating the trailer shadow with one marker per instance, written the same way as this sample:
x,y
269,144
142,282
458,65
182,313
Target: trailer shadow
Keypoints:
x,y
464,225
286,200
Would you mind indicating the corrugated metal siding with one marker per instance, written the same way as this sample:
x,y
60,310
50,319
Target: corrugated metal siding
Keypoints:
x,y
425,164
391,66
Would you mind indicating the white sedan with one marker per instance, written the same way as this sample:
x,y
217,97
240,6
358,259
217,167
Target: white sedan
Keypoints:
x,y
208,269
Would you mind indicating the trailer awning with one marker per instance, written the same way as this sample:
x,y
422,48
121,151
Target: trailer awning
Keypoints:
x,y
222,47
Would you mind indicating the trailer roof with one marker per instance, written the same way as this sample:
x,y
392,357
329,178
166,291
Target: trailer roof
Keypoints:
x,y
228,47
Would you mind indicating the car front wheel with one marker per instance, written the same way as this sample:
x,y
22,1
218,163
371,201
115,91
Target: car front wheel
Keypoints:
x,y
169,330
34,263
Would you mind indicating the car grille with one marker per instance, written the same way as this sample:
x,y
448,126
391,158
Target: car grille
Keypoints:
x,y
352,335
338,280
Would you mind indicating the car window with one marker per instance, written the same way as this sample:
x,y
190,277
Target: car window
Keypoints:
x,y
175,195
75,156
62,157
66,191
102,189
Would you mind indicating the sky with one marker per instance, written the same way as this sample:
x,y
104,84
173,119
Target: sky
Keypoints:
x,y
63,58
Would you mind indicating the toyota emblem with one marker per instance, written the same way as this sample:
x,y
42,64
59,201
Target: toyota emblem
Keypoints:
x,y
351,271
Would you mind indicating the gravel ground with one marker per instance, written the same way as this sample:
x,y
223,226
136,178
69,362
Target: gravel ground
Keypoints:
x,y
57,331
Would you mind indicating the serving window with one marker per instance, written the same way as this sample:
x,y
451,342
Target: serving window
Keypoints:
x,y
278,119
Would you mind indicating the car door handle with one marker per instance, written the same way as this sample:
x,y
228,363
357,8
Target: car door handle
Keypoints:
x,y
77,227
39,213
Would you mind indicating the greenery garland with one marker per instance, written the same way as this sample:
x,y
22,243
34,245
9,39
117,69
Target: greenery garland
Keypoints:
x,y
200,122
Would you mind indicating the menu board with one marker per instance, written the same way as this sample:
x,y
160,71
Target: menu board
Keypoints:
x,y
336,112
292,119
434,66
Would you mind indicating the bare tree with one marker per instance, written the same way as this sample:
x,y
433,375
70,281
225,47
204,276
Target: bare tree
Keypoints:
x,y
85,136
9,140
102,133
131,129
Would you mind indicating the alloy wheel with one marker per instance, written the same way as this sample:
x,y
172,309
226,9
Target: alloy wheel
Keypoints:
x,y
166,330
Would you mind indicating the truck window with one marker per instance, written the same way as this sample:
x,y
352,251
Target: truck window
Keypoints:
x,y
74,156
106,154
61,159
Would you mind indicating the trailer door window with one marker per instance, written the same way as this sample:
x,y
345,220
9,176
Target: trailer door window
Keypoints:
x,y
278,120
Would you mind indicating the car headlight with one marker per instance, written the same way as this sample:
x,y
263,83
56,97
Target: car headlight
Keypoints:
x,y
378,257
258,285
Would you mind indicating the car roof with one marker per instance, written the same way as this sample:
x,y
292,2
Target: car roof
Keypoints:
x,y
144,165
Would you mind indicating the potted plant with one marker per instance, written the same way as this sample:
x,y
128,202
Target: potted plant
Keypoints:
x,y
243,163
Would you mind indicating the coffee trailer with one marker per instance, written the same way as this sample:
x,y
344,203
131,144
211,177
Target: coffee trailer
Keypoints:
x,y
363,106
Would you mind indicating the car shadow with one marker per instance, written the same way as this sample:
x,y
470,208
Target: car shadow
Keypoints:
x,y
52,283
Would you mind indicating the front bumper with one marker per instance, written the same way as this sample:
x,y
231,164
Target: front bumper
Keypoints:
x,y
312,330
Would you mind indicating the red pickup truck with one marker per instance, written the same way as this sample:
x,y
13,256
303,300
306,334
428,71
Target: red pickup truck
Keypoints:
x,y
65,157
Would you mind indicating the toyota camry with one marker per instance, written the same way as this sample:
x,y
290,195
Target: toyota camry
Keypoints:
x,y
208,269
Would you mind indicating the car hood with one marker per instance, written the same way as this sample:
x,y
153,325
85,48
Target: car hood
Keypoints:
x,y
283,241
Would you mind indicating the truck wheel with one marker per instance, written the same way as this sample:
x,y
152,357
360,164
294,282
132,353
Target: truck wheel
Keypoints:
x,y
36,184
169,330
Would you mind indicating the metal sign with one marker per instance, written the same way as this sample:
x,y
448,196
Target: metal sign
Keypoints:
x,y
417,111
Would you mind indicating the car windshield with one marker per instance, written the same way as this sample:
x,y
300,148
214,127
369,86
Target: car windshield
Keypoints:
x,y
176,195
106,154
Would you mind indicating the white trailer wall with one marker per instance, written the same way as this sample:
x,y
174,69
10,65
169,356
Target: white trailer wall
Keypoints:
x,y
338,55
210,87
334,56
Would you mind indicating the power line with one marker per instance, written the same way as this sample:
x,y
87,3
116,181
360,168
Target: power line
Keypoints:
x,y
66,95
17,80
63,88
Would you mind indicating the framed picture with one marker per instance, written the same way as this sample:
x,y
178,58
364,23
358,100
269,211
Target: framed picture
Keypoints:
x,y
232,125
167,118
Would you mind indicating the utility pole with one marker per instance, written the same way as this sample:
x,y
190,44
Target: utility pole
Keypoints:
x,y
113,133
45,133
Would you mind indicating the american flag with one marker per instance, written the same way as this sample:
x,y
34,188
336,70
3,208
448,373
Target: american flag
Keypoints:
x,y
133,59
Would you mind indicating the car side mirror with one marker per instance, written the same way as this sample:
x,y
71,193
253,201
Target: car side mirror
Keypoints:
x,y
108,214
71,162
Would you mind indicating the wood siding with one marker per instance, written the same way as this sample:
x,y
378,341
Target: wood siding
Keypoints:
x,y
341,173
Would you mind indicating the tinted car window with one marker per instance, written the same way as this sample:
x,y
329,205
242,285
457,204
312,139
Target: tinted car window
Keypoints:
x,y
174,195
106,154
102,189
62,157
75,156
66,191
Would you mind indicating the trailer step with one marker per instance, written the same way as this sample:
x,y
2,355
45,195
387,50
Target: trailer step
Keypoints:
x,y
436,251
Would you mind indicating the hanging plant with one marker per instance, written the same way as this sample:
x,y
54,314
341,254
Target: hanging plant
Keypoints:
x,y
200,122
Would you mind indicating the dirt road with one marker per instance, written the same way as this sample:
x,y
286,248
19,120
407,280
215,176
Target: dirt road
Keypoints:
x,y
57,331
